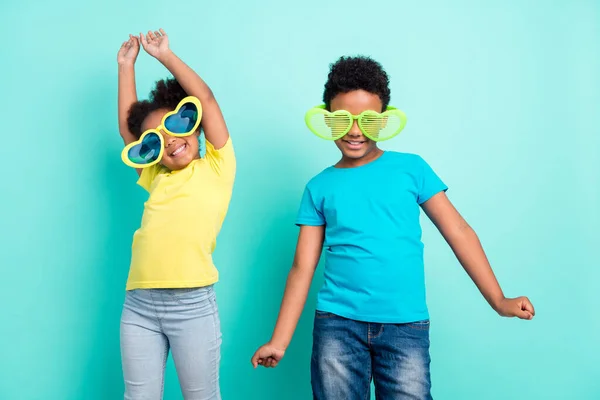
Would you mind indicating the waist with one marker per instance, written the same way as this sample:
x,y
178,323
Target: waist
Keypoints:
x,y
374,288
170,264
172,304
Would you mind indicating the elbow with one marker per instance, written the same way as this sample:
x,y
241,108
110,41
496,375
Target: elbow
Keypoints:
x,y
303,268
460,233
207,98
202,93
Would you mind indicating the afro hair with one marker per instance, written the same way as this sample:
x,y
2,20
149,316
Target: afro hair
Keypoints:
x,y
166,94
357,73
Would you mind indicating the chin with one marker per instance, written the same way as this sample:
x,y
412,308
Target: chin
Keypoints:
x,y
179,164
353,155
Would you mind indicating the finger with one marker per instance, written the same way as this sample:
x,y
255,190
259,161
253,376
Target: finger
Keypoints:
x,y
151,35
528,306
254,360
145,42
163,32
157,34
523,314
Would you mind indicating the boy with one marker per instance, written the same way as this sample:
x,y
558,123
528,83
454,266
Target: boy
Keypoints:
x,y
372,320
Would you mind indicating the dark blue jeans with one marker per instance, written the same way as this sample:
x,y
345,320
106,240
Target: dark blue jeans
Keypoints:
x,y
348,354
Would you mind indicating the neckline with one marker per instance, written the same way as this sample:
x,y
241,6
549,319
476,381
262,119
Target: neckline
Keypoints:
x,y
383,154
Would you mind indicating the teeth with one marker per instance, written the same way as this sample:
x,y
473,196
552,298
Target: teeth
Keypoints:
x,y
179,150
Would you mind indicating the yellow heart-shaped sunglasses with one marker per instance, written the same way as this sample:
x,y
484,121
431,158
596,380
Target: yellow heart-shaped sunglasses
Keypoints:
x,y
149,149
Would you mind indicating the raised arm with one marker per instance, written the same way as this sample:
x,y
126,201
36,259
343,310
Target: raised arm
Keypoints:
x,y
308,252
127,94
466,246
215,130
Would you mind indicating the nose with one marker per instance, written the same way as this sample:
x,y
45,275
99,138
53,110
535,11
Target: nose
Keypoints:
x,y
168,140
354,130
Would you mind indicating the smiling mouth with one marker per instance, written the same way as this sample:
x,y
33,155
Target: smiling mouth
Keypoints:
x,y
355,143
179,150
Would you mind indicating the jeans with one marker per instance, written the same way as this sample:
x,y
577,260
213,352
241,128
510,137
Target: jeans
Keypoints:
x,y
348,354
184,321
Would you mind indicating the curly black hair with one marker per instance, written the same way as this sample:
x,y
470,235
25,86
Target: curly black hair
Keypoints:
x,y
355,73
166,94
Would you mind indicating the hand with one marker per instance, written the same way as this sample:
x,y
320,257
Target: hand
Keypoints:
x,y
268,356
519,307
129,51
156,43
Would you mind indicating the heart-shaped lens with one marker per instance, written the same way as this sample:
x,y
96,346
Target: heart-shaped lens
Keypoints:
x,y
371,123
380,127
326,125
147,151
184,120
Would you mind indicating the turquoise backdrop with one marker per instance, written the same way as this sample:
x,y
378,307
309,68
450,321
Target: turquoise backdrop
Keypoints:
x,y
503,99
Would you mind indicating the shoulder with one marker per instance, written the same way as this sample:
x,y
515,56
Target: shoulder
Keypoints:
x,y
149,175
394,161
410,158
222,160
321,179
406,161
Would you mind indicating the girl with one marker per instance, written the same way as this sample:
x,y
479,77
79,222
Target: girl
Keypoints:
x,y
170,302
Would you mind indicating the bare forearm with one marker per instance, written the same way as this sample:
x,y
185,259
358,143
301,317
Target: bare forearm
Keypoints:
x,y
213,123
127,96
294,299
191,82
464,242
470,254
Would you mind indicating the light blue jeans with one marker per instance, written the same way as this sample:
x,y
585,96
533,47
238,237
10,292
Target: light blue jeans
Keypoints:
x,y
184,321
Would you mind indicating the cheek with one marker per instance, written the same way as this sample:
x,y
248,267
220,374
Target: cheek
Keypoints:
x,y
193,144
192,141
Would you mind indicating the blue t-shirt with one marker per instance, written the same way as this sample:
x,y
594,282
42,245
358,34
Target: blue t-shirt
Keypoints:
x,y
373,251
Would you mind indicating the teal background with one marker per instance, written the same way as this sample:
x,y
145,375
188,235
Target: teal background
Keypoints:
x,y
502,99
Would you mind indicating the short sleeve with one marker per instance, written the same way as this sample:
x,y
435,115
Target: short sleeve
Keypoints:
x,y
430,183
222,161
309,214
148,174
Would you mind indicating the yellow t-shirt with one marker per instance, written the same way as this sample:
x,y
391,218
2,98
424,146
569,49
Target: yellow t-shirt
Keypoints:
x,y
183,215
